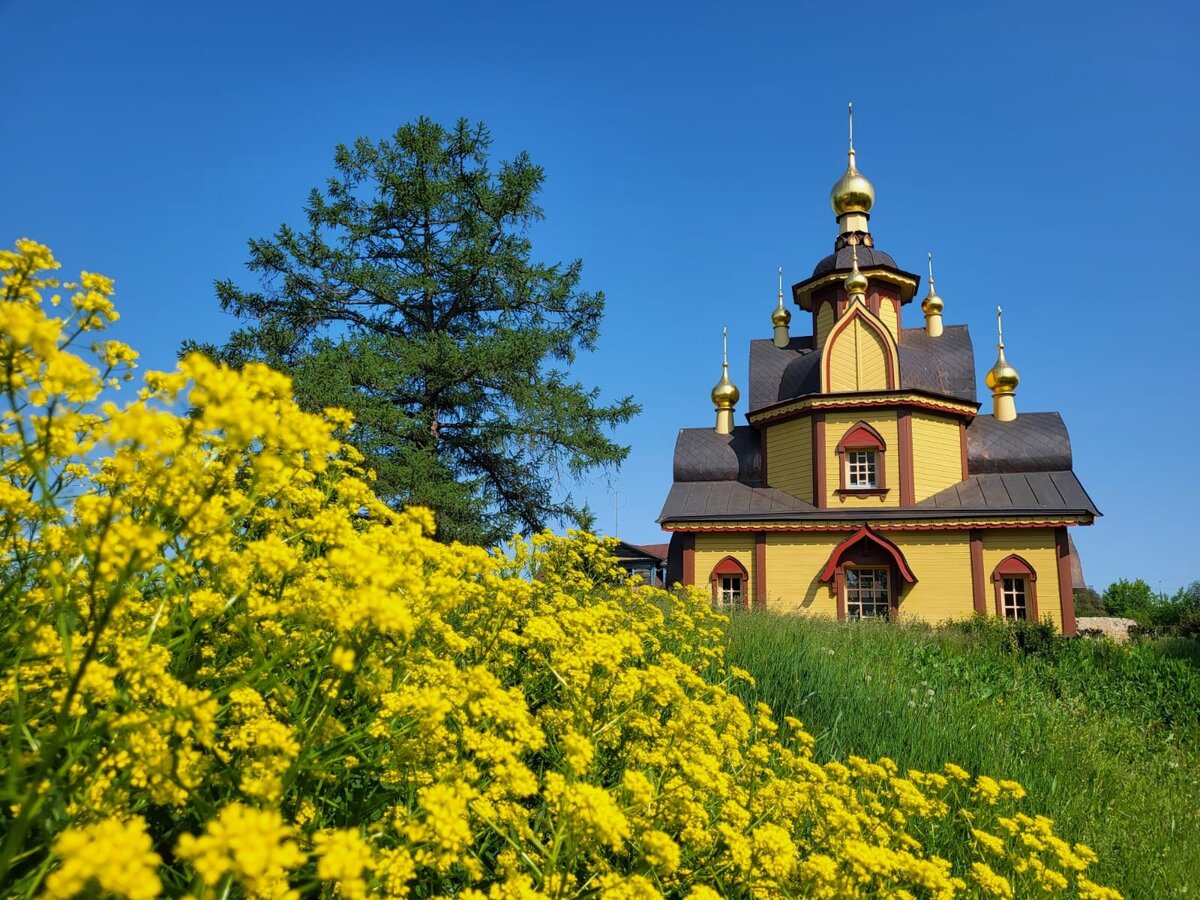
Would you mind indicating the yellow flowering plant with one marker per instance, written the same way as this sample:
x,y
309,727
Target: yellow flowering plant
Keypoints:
x,y
229,670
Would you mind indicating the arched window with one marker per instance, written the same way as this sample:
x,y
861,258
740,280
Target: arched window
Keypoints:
x,y
861,452
730,582
1016,589
868,572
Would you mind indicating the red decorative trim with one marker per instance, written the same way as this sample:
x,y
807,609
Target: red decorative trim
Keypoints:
x,y
843,322
786,410
908,490
689,559
820,499
955,525
1066,593
861,436
977,588
1014,566
962,443
865,533
760,570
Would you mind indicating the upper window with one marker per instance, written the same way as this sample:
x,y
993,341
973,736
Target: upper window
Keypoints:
x,y
862,451
862,465
1016,589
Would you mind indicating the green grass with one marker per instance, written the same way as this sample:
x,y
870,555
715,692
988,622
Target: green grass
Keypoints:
x,y
1105,739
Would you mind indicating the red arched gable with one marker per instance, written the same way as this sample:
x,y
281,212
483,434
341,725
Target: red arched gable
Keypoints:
x,y
861,435
1014,565
728,566
835,558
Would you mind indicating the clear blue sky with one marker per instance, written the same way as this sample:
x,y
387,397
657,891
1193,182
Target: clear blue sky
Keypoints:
x,y
1045,152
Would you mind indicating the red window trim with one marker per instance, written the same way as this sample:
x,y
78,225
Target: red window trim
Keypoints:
x,y
1014,566
861,436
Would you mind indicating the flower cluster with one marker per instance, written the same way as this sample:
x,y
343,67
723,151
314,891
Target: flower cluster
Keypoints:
x,y
227,669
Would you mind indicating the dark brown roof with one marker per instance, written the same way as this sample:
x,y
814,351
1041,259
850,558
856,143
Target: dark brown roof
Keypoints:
x,y
658,550
1016,493
703,455
944,365
729,500
868,257
1032,442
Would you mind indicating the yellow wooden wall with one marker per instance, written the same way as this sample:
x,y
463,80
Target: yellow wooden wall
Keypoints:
x,y
794,562
790,458
937,454
824,323
887,315
712,548
1036,547
941,563
836,426
858,360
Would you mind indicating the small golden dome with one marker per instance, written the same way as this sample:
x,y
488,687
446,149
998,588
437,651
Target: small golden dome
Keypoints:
x,y
932,304
853,192
856,281
781,316
725,394
1002,378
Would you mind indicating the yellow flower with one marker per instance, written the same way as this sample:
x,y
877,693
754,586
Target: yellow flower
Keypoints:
x,y
113,855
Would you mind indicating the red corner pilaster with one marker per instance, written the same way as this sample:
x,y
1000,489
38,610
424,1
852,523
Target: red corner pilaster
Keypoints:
x,y
818,436
978,587
760,570
908,491
1066,594
689,560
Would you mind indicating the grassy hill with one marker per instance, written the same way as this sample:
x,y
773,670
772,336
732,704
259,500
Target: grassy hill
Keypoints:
x,y
1106,739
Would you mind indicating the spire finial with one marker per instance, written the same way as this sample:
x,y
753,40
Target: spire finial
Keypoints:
x,y
932,306
1002,379
781,286
724,393
781,317
850,106
999,328
853,195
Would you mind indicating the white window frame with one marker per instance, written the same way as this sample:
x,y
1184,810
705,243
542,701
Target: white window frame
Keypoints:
x,y
854,587
1014,596
866,469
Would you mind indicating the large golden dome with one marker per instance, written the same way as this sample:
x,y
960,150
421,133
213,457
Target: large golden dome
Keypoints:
x,y
853,192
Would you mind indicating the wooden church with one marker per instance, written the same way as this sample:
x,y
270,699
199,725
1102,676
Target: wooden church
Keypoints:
x,y
867,483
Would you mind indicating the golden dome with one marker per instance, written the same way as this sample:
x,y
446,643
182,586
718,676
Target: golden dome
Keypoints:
x,y
856,281
853,192
932,304
780,316
725,394
1002,378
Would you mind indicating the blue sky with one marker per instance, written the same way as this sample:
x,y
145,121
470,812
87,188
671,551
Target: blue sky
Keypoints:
x,y
1044,152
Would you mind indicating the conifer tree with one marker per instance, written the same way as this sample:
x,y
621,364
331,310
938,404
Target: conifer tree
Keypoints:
x,y
413,299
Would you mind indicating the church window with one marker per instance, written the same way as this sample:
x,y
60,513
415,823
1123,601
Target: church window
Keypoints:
x,y
1013,598
1016,589
867,593
730,592
729,580
862,451
862,469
